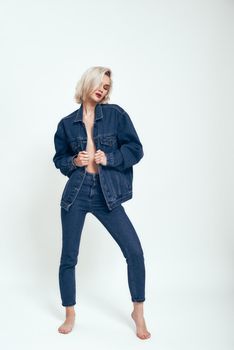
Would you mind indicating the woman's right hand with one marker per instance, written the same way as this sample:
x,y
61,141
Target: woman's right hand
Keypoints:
x,y
82,158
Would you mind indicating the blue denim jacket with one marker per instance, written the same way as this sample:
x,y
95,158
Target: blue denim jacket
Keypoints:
x,y
113,133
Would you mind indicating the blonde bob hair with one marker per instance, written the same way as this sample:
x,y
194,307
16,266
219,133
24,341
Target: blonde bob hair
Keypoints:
x,y
91,80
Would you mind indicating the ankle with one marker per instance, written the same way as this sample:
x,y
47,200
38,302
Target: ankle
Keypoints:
x,y
70,312
138,313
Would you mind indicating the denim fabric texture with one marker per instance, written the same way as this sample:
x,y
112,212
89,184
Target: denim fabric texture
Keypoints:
x,y
91,200
113,133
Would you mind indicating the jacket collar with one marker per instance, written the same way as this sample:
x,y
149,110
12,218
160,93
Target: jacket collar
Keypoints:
x,y
98,113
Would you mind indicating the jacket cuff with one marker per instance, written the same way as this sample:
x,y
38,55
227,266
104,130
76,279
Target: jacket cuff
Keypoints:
x,y
71,163
73,160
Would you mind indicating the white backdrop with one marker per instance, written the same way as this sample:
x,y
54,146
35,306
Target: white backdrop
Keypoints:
x,y
172,65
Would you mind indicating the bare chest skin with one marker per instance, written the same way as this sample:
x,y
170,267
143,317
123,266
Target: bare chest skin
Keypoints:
x,y
92,167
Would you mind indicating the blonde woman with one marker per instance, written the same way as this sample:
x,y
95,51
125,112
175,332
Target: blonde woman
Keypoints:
x,y
96,147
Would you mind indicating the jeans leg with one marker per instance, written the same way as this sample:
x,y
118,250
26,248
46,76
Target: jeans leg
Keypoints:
x,y
122,230
72,225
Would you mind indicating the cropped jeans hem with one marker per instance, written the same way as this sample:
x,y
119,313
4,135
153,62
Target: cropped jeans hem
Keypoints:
x,y
68,304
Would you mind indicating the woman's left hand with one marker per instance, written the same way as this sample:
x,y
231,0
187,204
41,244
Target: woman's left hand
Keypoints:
x,y
100,157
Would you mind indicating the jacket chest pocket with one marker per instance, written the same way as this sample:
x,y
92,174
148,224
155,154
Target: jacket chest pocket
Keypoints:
x,y
108,142
77,145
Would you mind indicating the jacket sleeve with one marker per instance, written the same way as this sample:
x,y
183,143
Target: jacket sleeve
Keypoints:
x,y
63,159
131,150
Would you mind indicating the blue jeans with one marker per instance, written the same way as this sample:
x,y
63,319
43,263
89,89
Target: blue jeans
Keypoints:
x,y
91,199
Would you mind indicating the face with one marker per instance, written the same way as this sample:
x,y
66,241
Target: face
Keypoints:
x,y
99,93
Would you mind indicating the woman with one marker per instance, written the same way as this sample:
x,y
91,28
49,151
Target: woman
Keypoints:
x,y
96,148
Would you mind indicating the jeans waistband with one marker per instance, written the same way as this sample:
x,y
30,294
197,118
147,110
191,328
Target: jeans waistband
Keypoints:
x,y
91,176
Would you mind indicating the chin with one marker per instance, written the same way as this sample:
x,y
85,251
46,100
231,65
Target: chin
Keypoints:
x,y
98,99
94,98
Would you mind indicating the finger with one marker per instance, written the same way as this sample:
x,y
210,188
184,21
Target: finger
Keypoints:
x,y
97,156
99,153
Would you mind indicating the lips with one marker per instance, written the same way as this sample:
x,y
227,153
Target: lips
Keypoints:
x,y
98,95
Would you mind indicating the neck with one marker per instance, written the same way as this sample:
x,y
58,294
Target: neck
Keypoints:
x,y
89,107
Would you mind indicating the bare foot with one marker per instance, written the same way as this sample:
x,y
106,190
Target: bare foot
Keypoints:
x,y
68,324
141,330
